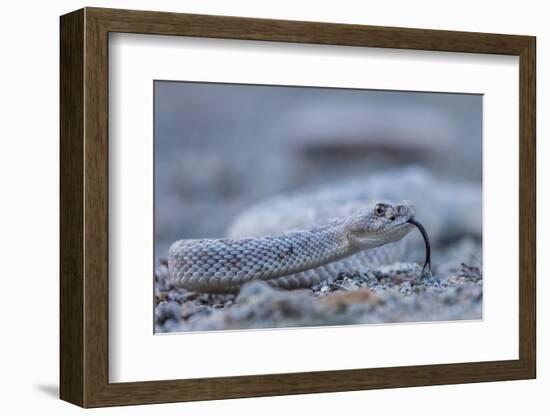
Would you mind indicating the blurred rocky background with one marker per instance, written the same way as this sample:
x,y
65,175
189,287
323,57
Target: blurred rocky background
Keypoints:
x,y
220,148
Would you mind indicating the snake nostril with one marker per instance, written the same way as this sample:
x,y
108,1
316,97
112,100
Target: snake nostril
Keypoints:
x,y
392,218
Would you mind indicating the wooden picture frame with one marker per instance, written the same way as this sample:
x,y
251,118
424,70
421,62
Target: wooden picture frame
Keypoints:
x,y
84,207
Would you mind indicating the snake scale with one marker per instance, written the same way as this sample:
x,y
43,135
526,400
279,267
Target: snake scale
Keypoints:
x,y
295,241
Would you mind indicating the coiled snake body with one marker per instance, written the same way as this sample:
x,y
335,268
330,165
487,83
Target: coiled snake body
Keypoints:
x,y
363,235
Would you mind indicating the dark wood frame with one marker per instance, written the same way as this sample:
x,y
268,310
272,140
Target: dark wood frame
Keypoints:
x,y
84,207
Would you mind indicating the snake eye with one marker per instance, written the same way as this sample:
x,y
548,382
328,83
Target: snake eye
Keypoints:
x,y
379,210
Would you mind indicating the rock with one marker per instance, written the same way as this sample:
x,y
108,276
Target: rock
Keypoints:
x,y
387,294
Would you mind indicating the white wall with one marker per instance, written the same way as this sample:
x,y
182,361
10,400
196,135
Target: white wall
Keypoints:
x,y
29,204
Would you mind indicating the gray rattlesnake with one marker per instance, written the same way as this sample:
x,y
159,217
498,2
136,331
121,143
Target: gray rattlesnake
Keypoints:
x,y
307,238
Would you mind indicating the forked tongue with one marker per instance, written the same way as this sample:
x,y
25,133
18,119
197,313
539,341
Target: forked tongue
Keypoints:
x,y
422,230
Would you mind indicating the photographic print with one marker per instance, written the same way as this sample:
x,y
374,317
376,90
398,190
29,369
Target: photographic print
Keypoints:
x,y
291,206
289,184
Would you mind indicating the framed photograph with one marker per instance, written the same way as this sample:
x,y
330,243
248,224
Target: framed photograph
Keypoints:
x,y
255,207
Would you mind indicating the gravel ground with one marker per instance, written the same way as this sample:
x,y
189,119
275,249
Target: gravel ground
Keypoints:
x,y
388,294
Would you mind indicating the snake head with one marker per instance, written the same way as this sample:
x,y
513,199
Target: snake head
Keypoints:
x,y
381,224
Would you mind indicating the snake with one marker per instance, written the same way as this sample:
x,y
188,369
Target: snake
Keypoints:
x,y
310,237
